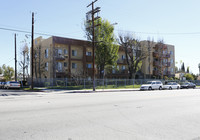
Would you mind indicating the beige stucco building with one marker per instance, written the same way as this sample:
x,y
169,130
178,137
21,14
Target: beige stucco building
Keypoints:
x,y
58,57
160,62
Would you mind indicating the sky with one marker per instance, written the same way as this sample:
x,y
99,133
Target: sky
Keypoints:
x,y
177,22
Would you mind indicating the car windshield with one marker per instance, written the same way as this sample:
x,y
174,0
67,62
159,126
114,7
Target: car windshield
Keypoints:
x,y
169,84
186,84
149,82
14,82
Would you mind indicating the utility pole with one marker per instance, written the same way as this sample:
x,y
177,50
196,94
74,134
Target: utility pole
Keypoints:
x,y
91,14
32,45
199,68
15,59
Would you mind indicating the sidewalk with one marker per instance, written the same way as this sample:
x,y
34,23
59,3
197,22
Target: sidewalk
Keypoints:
x,y
87,91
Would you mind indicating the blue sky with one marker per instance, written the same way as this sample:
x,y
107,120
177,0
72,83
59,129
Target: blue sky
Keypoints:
x,y
177,22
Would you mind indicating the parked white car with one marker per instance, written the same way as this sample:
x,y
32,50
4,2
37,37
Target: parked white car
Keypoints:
x,y
12,84
152,85
171,85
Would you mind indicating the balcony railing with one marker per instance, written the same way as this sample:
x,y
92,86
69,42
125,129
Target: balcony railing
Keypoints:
x,y
160,47
89,58
160,54
167,73
60,57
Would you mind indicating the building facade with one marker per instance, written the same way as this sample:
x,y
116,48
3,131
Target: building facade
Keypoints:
x,y
58,57
160,62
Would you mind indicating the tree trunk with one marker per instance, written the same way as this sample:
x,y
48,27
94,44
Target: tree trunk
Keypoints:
x,y
101,72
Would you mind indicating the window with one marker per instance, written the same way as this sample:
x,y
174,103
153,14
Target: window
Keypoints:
x,y
172,70
59,51
74,65
59,66
89,53
65,64
171,52
46,53
89,65
123,57
65,51
74,53
46,66
123,67
172,61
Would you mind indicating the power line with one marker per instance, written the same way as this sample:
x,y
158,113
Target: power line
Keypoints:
x,y
28,32
158,33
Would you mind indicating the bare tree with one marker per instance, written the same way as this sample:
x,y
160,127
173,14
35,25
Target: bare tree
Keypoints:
x,y
24,62
39,62
134,53
150,44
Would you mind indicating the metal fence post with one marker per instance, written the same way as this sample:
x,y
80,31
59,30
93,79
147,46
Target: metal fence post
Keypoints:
x,y
133,83
66,82
84,83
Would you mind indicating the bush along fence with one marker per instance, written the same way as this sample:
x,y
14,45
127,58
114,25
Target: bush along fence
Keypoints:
x,y
99,83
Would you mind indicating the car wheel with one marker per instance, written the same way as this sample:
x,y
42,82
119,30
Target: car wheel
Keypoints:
x,y
187,87
177,87
194,87
160,88
150,88
170,88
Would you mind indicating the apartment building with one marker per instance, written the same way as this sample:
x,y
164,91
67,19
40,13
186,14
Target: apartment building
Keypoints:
x,y
58,57
160,62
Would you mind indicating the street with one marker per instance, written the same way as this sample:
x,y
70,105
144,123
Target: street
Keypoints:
x,y
125,115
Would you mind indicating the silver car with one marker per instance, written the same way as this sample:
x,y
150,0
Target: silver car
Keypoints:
x,y
152,85
172,85
12,84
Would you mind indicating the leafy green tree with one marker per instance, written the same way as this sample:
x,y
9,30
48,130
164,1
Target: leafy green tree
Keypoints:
x,y
189,76
106,49
8,72
1,70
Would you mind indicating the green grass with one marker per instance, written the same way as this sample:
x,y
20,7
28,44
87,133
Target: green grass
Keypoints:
x,y
29,89
97,87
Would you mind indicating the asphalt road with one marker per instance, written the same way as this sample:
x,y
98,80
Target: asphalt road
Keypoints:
x,y
136,115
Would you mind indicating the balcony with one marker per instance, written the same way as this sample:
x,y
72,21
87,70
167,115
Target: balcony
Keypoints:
x,y
89,58
160,47
167,64
89,71
155,72
61,73
167,73
155,63
155,54
166,55
60,58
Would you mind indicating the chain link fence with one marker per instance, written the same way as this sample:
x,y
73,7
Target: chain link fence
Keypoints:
x,y
99,83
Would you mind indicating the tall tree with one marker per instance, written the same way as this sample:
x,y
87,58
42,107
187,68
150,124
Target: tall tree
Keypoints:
x,y
8,72
1,70
134,53
106,51
188,69
24,62
183,67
